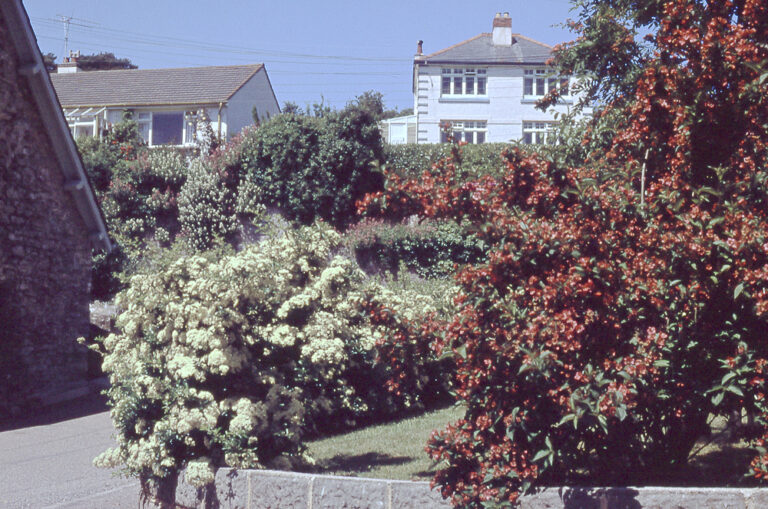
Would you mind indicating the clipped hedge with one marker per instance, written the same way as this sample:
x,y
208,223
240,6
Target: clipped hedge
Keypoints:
x,y
430,249
410,160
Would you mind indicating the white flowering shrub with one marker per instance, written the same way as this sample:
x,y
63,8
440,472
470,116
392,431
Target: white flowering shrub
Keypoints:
x,y
206,206
233,360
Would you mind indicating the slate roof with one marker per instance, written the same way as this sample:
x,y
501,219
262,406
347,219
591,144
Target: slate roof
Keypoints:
x,y
152,87
480,50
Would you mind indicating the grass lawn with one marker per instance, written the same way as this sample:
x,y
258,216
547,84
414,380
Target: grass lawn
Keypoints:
x,y
389,451
396,451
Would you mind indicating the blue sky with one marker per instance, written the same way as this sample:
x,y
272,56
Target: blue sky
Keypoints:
x,y
334,49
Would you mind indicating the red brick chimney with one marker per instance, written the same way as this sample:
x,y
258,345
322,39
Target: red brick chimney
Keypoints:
x,y
69,64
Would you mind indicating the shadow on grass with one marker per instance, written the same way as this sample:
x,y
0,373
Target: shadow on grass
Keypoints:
x,y
724,466
350,463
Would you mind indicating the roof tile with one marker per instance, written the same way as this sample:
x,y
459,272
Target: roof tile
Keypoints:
x,y
481,50
139,87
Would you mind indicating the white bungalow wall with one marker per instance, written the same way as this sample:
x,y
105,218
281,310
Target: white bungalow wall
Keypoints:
x,y
503,108
256,92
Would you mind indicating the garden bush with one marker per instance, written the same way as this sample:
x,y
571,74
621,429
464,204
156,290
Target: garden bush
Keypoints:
x,y
314,167
235,359
430,249
624,303
137,190
410,160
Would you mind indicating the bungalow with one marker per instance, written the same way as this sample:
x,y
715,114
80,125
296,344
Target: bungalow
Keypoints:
x,y
166,103
49,223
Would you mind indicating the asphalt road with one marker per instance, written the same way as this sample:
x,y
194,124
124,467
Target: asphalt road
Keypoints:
x,y
46,461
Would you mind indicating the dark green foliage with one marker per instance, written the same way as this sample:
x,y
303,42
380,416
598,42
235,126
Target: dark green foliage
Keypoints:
x,y
314,167
410,161
103,61
429,249
136,190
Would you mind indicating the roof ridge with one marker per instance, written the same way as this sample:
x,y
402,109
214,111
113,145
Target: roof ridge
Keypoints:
x,y
257,66
533,40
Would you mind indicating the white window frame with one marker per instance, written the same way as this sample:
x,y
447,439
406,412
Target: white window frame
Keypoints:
x,y
461,81
539,82
538,132
473,132
145,120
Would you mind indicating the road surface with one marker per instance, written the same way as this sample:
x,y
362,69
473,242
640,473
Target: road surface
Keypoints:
x,y
46,461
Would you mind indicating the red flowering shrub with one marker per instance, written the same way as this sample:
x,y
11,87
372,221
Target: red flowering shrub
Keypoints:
x,y
609,326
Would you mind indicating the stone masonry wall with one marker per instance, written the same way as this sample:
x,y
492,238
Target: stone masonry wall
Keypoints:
x,y
264,489
44,254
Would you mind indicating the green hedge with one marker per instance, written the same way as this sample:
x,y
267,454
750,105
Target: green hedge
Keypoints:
x,y
429,249
410,161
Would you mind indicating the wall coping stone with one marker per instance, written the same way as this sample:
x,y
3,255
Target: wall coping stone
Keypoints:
x,y
271,489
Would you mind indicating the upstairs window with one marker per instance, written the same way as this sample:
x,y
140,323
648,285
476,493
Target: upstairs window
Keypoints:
x,y
538,83
464,81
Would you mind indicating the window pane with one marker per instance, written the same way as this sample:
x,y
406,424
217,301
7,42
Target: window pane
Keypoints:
x,y
528,86
470,85
539,86
528,138
551,84
83,131
144,131
446,85
480,136
167,128
457,85
481,85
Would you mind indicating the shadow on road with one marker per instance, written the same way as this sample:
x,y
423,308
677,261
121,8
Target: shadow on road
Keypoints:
x,y
87,405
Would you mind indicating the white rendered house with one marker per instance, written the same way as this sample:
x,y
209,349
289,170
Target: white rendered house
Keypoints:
x,y
486,89
166,103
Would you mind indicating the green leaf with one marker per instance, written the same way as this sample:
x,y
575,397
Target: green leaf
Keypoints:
x,y
734,389
717,398
541,455
621,413
737,291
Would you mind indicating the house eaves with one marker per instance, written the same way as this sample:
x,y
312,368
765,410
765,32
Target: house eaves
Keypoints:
x,y
31,66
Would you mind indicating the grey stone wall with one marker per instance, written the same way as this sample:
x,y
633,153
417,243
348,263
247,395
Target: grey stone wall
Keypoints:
x,y
44,255
264,489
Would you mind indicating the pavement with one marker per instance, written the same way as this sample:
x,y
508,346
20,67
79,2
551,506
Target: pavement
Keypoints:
x,y
46,460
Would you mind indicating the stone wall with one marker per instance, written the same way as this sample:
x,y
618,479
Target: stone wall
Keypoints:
x,y
44,254
264,489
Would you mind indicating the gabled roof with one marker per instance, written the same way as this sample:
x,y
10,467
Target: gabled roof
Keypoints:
x,y
31,67
152,87
481,50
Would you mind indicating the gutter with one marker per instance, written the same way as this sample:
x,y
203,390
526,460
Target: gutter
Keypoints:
x,y
32,68
218,120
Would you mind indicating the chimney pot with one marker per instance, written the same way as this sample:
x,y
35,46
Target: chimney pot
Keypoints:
x,y
419,47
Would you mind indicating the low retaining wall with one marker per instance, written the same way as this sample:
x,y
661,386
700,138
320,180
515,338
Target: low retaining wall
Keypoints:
x,y
265,489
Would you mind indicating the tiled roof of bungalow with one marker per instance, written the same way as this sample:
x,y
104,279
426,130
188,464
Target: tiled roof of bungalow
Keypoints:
x,y
152,87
